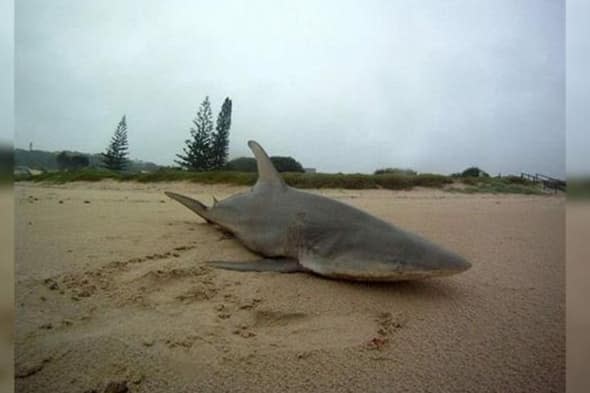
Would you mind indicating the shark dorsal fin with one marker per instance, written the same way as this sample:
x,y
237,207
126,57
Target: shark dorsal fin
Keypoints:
x,y
267,173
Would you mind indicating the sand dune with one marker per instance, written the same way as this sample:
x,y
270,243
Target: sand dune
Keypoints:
x,y
112,292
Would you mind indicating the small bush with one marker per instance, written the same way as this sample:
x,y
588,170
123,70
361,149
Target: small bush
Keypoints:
x,y
286,164
396,171
578,187
516,180
242,164
248,164
432,180
474,172
470,181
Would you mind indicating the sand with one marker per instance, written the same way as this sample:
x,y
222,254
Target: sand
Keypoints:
x,y
6,289
112,293
578,290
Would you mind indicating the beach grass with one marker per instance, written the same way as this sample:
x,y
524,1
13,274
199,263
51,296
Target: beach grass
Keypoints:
x,y
509,184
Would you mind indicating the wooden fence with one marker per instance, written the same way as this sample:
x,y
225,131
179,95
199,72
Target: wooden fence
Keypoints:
x,y
547,181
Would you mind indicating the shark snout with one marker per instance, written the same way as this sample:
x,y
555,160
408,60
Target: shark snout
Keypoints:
x,y
457,263
431,260
448,262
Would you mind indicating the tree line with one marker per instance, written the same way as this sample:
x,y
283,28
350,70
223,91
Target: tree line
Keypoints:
x,y
206,149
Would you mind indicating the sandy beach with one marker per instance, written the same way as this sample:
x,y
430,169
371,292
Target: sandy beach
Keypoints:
x,y
7,289
112,293
578,312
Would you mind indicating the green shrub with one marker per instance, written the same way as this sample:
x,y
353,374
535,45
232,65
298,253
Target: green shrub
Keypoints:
x,y
516,180
248,164
471,181
242,164
474,172
396,171
578,187
286,164
432,180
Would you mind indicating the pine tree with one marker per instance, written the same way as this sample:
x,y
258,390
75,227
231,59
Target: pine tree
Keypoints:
x,y
115,157
197,153
220,140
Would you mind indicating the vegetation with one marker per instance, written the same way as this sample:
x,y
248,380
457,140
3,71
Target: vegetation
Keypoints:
x,y
578,187
207,150
396,171
6,164
47,161
86,174
517,180
67,161
248,164
220,142
242,171
197,155
472,172
242,164
286,164
496,185
116,156
35,159
303,180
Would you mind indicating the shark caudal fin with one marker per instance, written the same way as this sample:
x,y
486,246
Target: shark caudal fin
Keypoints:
x,y
267,173
192,204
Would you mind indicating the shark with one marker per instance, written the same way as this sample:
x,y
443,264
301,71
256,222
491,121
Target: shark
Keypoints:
x,y
297,231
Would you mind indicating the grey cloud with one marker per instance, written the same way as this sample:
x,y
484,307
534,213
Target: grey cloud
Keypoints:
x,y
342,86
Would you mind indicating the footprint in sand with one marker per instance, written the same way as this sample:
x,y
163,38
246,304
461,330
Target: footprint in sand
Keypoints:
x,y
387,324
303,332
267,318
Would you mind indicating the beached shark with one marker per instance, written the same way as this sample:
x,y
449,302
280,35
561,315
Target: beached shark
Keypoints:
x,y
297,231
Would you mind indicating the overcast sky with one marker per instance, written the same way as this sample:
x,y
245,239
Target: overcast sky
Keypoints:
x,y
7,74
345,86
578,87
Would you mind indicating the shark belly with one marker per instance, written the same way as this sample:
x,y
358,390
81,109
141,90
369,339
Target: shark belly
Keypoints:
x,y
363,270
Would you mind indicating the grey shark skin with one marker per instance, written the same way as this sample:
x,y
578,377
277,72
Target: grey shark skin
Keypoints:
x,y
299,231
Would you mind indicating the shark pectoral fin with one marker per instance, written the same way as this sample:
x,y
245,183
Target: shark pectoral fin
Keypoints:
x,y
280,265
192,204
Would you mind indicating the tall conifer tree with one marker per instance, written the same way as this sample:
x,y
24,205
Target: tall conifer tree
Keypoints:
x,y
197,153
220,140
115,157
